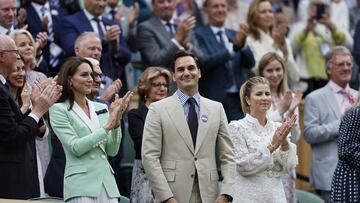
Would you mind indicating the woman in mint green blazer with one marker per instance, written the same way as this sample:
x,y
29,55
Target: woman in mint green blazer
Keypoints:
x,y
89,132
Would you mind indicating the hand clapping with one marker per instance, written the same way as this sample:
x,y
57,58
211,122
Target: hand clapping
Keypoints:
x,y
280,136
116,110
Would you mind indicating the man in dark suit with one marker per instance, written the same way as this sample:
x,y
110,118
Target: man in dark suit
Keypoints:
x,y
41,16
17,130
225,55
115,51
160,37
7,16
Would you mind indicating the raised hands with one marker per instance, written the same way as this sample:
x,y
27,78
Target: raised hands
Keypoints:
x,y
41,41
25,98
111,90
295,102
183,30
240,37
133,14
116,110
284,104
280,136
112,36
44,94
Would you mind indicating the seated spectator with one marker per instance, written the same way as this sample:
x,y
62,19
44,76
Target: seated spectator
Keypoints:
x,y
153,86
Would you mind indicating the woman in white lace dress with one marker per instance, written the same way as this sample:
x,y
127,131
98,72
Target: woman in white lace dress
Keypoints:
x,y
262,147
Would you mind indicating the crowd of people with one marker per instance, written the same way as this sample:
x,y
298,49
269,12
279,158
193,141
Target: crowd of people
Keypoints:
x,y
219,84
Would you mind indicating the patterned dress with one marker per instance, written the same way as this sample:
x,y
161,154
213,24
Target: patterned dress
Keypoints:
x,y
346,179
258,171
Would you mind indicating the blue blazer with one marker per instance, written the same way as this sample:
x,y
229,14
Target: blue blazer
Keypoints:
x,y
34,27
112,63
213,75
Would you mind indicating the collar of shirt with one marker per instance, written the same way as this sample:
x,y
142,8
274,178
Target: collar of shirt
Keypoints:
x,y
4,30
336,88
172,21
2,79
89,16
184,97
217,29
38,7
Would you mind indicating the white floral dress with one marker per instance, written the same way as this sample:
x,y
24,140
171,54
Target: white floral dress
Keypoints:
x,y
258,171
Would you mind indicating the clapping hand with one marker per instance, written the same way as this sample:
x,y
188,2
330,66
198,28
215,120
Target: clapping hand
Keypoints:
x,y
184,27
41,41
116,110
111,90
280,136
25,98
240,37
295,102
285,102
44,95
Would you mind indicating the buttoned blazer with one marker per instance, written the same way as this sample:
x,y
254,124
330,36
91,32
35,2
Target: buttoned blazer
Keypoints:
x,y
86,149
321,129
170,159
214,57
112,63
17,133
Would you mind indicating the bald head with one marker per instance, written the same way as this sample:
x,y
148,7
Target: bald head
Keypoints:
x,y
88,44
8,55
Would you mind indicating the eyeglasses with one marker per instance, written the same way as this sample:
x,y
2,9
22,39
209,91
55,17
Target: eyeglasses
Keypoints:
x,y
343,64
159,85
13,50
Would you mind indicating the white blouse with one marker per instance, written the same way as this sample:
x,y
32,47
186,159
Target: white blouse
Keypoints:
x,y
257,169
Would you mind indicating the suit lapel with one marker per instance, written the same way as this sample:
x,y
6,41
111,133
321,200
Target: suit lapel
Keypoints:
x,y
332,101
204,123
164,35
177,116
83,23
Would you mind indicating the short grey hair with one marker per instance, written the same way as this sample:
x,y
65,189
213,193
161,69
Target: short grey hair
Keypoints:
x,y
81,38
337,50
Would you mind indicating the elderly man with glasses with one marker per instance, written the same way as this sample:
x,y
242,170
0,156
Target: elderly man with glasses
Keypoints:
x,y
17,131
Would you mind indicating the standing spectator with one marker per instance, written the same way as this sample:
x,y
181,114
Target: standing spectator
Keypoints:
x,y
312,41
283,106
262,148
153,86
7,16
115,53
27,50
323,111
181,134
267,35
41,16
88,131
345,182
160,37
225,56
18,131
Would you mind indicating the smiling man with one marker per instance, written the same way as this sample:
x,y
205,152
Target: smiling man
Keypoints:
x,y
324,109
180,136
224,55
7,15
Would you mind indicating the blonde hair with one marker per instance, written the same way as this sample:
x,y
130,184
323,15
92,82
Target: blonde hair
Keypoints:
x,y
265,61
144,83
246,89
13,34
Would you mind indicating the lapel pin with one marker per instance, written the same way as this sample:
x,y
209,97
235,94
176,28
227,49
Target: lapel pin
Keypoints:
x,y
204,118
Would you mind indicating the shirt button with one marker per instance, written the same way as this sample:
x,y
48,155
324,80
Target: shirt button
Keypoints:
x,y
103,157
192,175
195,158
92,156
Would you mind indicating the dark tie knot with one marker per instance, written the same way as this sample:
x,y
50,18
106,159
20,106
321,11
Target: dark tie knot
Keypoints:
x,y
220,32
191,101
96,19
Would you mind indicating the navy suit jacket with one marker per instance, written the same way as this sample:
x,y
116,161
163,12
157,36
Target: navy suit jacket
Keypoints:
x,y
34,27
17,134
214,57
112,64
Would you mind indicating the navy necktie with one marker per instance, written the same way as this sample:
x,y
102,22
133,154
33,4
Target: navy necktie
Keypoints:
x,y
229,72
100,31
170,28
192,119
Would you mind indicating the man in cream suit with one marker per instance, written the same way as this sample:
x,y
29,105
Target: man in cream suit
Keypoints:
x,y
180,136
324,109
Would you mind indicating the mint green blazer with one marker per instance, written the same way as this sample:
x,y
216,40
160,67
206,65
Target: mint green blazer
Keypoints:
x,y
86,146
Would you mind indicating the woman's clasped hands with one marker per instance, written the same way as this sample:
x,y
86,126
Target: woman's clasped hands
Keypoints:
x,y
280,136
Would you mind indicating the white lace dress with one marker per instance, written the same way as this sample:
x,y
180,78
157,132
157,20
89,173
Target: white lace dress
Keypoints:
x,y
258,171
